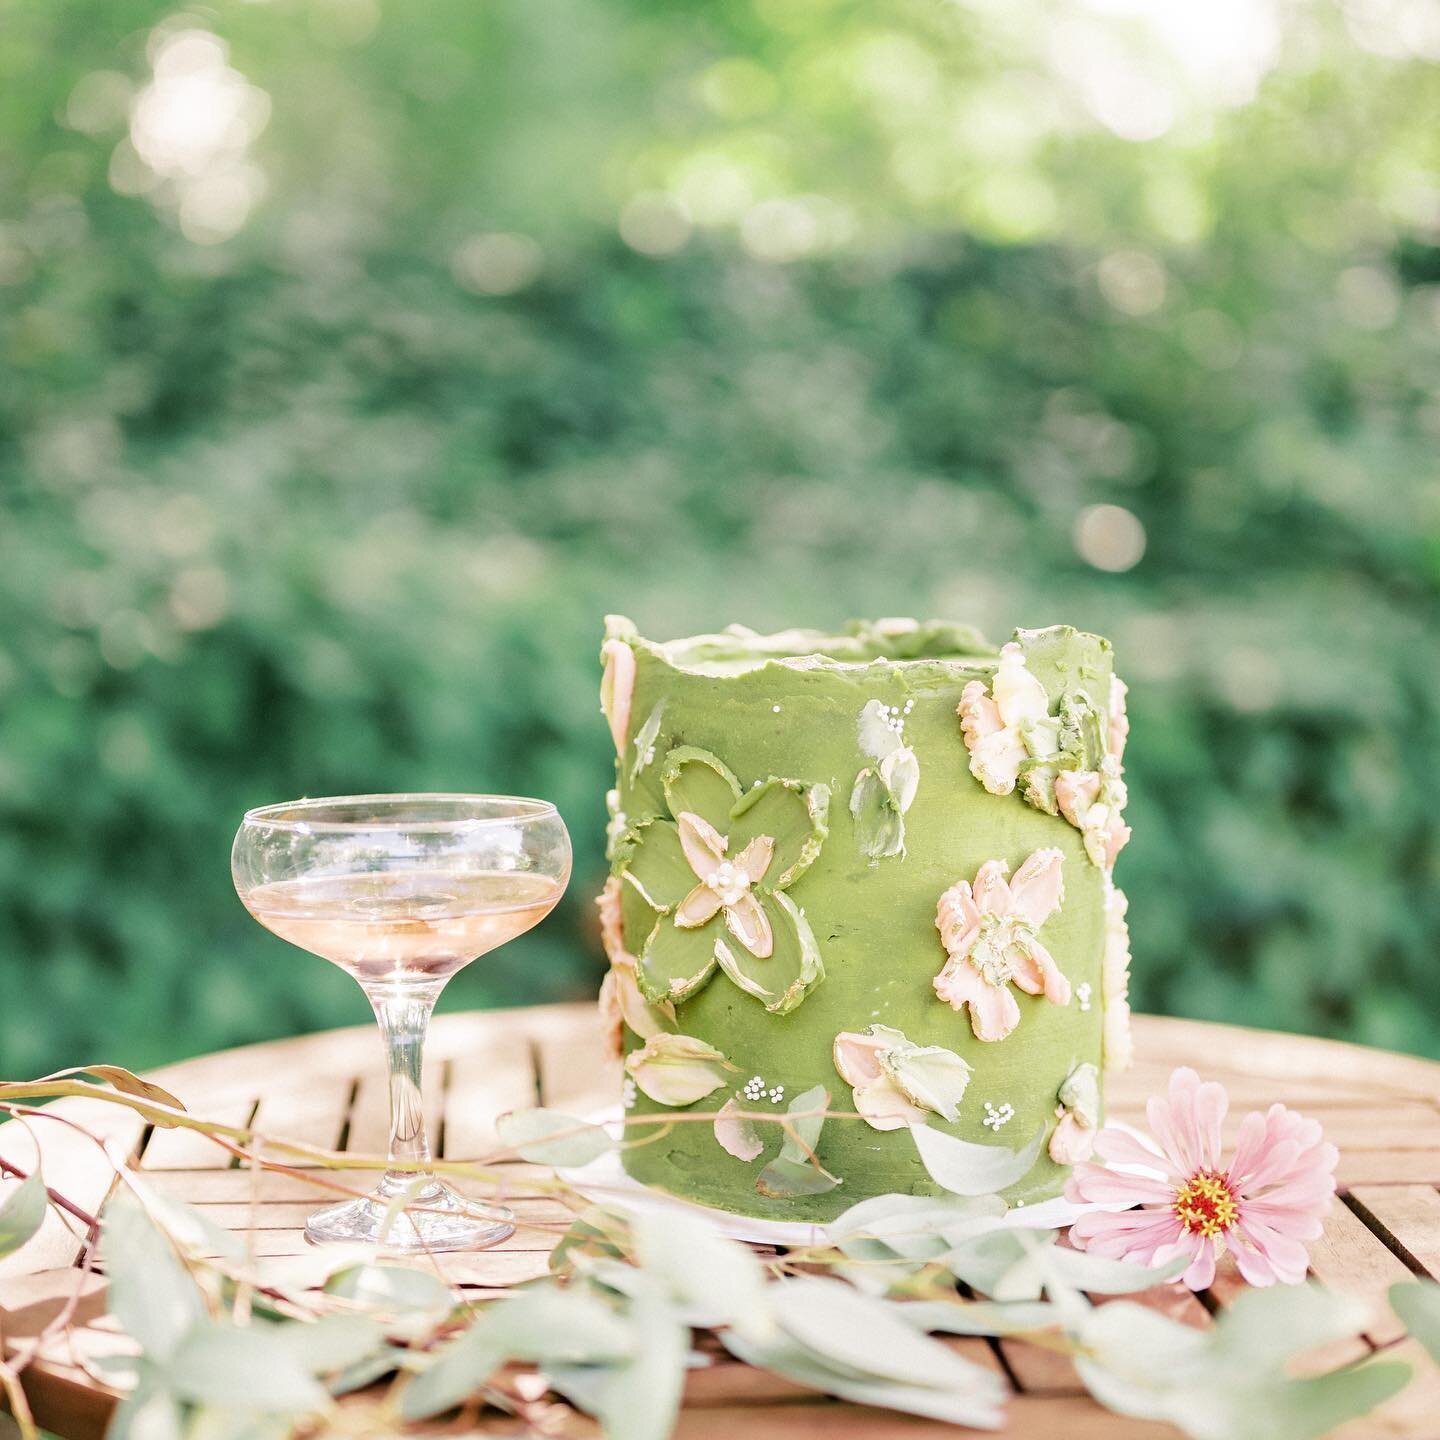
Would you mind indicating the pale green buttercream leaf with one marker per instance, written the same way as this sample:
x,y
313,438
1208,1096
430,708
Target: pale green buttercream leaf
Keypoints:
x,y
701,783
651,859
783,979
676,962
793,815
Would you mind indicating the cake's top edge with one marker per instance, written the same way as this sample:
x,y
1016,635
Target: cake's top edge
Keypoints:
x,y
862,642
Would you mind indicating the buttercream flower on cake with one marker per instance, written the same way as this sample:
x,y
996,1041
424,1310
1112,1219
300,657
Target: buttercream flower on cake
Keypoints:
x,y
712,875
990,930
1008,723
1065,764
894,1081
1262,1207
621,1003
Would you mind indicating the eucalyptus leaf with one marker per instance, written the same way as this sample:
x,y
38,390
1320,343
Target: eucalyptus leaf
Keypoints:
x,y
842,1327
188,1227
126,1081
715,1281
1418,1305
150,1293
384,1361
245,1368
639,1399
965,1168
979,1317
917,1227
547,1137
330,1343
22,1212
455,1374
394,1289
560,1326
146,1413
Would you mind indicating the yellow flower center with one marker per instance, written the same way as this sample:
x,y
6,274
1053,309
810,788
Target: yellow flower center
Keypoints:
x,y
1206,1205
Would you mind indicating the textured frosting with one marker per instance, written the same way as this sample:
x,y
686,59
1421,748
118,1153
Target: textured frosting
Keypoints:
x,y
789,707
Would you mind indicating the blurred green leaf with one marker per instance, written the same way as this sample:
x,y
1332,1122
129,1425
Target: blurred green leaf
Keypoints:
x,y
22,1211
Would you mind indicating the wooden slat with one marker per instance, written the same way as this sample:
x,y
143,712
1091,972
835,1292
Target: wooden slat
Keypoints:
x,y
1409,1215
1348,1258
1382,1110
370,1116
311,1113
180,1149
498,1076
1028,1418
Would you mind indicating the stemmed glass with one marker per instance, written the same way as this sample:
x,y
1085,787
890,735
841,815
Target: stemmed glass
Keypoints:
x,y
402,891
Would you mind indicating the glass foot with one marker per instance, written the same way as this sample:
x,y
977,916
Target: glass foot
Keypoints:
x,y
438,1219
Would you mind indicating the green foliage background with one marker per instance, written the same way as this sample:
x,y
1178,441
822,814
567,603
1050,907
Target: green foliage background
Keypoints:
x,y
336,503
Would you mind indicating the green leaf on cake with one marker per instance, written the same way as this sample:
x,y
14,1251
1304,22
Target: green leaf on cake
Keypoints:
x,y
794,816
884,791
651,860
783,979
965,1168
677,1069
675,963
797,1170
712,874
697,782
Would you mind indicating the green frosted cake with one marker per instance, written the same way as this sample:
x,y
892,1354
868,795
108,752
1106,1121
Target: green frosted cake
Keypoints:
x,y
877,863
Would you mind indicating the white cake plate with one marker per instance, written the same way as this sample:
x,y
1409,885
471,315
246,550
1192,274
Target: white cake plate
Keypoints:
x,y
605,1181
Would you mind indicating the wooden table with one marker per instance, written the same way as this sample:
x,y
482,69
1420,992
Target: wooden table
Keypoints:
x,y
1382,1110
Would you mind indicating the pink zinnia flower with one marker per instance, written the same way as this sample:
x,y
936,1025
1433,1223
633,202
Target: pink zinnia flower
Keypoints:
x,y
1262,1207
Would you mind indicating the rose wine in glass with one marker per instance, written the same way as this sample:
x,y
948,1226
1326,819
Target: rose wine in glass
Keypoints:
x,y
401,891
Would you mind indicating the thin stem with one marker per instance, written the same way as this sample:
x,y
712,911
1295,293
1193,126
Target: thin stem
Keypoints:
x,y
404,1019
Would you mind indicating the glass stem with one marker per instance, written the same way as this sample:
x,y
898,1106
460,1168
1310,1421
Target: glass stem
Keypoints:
x,y
403,1022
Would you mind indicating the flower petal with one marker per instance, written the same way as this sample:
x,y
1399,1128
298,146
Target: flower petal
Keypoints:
x,y
885,1106
992,894
677,1069
1075,792
995,761
1020,697
1130,1234
857,1055
1071,1141
1056,986
1096,1185
755,858
1037,887
748,923
993,1012
697,907
735,1135
979,714
1286,1254
1120,1147
957,919
703,844
617,689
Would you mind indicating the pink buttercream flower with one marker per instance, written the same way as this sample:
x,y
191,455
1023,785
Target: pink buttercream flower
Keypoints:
x,y
989,932
617,689
1262,1207
1091,800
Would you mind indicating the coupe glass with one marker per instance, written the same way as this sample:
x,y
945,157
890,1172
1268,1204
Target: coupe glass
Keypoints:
x,y
402,891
